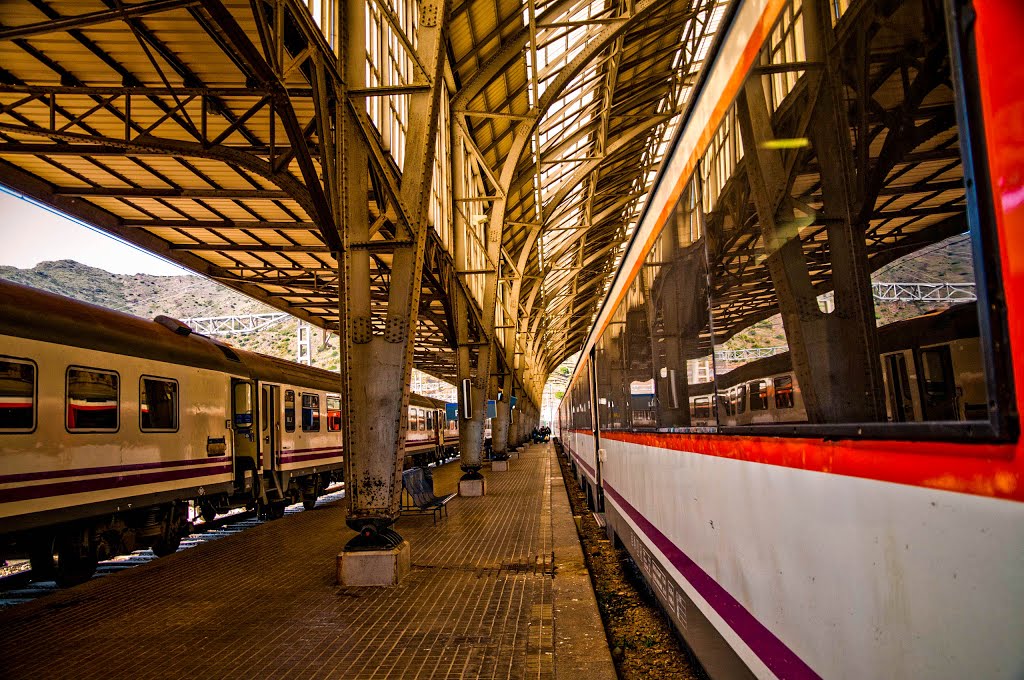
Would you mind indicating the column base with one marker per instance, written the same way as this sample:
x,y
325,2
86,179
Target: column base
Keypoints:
x,y
499,465
472,487
374,567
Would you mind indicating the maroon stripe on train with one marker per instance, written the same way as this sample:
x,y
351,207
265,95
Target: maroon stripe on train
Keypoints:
x,y
25,493
108,470
585,466
293,458
772,651
320,448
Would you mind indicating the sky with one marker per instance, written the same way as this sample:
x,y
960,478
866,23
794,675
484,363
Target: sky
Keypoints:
x,y
30,234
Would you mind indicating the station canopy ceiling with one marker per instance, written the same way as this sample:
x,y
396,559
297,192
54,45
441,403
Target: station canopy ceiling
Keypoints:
x,y
158,122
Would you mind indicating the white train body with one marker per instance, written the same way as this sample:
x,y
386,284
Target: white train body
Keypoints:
x,y
53,468
783,548
839,576
110,425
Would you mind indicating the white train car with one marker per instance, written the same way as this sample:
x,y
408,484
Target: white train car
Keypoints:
x,y
111,424
430,436
881,534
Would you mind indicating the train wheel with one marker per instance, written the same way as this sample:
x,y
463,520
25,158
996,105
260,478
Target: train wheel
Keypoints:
x,y
166,545
76,563
173,528
277,509
41,558
207,512
310,492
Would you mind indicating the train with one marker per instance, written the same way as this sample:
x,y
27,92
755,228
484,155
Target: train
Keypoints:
x,y
116,431
817,480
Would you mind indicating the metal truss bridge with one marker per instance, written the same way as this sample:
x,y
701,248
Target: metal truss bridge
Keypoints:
x,y
924,292
237,324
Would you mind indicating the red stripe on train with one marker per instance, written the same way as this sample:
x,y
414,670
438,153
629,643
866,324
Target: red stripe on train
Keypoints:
x,y
979,469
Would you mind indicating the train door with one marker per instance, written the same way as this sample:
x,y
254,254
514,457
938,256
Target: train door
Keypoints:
x,y
242,411
270,428
941,401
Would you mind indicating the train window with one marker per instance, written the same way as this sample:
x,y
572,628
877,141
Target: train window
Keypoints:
x,y
844,237
242,404
17,395
264,408
158,404
897,377
333,414
758,395
289,410
702,407
310,412
92,400
784,392
940,389
741,399
430,421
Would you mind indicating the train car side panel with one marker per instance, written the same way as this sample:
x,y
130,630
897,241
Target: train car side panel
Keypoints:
x,y
65,463
827,558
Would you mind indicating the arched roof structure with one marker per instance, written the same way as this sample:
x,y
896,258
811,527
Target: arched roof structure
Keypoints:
x,y
208,132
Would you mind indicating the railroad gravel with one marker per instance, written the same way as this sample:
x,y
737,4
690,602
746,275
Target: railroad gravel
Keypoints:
x,y
644,644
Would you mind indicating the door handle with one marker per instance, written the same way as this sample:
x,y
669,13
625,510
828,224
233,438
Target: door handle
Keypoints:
x,y
267,439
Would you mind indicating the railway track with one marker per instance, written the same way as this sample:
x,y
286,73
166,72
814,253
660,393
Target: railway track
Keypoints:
x,y
17,586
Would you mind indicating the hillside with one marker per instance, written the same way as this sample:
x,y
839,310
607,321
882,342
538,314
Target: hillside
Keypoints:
x,y
180,297
183,297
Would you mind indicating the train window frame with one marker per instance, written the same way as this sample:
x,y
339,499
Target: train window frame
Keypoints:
x,y
177,404
35,395
117,410
318,427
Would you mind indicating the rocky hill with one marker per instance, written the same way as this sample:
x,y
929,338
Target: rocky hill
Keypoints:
x,y
180,297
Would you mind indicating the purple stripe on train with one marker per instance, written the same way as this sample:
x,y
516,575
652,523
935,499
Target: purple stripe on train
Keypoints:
x,y
108,470
774,653
25,493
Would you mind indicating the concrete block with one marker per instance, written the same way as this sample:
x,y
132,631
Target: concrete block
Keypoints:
x,y
472,487
374,567
499,465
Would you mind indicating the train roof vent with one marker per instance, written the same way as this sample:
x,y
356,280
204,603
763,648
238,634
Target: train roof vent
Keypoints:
x,y
227,351
173,325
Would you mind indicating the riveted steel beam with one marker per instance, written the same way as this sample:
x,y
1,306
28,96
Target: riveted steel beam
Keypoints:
x,y
377,366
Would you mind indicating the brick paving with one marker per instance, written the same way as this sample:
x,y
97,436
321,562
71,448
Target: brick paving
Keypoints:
x,y
478,603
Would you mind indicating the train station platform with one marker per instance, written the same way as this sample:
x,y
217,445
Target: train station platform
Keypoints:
x,y
497,590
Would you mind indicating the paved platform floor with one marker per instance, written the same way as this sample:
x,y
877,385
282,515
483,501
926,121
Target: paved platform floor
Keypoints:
x,y
497,590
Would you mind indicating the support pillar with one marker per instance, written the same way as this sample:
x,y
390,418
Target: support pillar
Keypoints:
x,y
376,367
500,429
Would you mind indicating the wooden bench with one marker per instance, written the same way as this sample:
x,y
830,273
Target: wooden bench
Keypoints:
x,y
418,496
